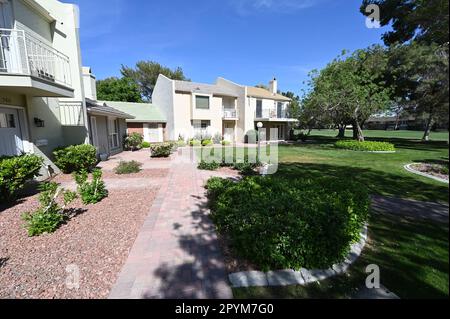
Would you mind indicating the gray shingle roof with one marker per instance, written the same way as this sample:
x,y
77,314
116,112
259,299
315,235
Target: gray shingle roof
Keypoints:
x,y
194,87
103,109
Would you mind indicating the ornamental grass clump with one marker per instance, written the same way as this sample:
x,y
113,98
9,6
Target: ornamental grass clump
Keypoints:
x,y
128,167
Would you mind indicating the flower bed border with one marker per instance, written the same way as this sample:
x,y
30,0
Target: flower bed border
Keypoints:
x,y
409,168
303,276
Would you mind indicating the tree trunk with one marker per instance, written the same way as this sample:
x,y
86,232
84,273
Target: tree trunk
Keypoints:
x,y
397,120
355,131
426,134
341,133
359,134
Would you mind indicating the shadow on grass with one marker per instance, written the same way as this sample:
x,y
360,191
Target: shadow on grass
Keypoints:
x,y
378,182
398,142
413,262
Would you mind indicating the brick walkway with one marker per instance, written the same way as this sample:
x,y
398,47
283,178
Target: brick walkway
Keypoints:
x,y
176,254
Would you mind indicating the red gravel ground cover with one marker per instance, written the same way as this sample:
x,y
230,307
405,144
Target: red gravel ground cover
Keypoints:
x,y
97,241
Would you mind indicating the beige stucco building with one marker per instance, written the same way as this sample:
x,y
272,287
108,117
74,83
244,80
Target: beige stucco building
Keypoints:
x,y
225,108
43,86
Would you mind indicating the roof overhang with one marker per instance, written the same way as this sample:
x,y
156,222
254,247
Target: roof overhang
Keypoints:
x,y
94,108
269,98
33,86
145,121
39,9
286,120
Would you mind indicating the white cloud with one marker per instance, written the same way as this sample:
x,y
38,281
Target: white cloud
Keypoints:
x,y
246,7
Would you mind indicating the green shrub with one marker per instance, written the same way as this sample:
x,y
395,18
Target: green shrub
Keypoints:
x,y
133,141
145,144
225,142
15,171
48,217
173,144
161,149
279,223
207,142
246,168
194,142
125,167
91,192
367,146
215,186
75,158
212,166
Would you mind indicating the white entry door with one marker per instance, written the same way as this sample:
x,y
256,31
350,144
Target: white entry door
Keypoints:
x,y
228,132
10,134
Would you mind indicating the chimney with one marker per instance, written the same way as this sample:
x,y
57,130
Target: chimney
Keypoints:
x,y
273,86
90,88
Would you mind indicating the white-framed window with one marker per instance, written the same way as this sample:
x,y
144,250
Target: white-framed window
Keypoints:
x,y
7,120
113,129
202,102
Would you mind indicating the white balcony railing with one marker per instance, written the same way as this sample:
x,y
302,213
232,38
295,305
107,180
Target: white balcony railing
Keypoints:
x,y
71,113
271,114
23,53
230,113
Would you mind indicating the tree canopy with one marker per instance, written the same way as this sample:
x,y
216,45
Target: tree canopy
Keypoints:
x,y
118,89
425,21
145,74
348,90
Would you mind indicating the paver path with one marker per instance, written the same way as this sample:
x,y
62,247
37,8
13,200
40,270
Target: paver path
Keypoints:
x,y
409,207
176,254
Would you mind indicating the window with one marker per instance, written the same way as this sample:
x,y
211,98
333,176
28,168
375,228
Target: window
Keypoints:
x,y
259,108
7,120
113,128
201,102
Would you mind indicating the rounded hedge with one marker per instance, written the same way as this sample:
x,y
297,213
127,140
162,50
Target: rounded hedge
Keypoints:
x,y
75,158
366,146
278,223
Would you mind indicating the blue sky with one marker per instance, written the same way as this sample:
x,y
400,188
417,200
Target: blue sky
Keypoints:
x,y
247,41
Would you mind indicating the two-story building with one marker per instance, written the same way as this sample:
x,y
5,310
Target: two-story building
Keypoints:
x,y
42,86
193,110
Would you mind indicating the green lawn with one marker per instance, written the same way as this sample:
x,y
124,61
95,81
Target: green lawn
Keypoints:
x,y
413,263
413,255
434,136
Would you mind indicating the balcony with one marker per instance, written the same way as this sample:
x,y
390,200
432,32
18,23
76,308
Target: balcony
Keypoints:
x,y
30,66
280,115
231,114
71,113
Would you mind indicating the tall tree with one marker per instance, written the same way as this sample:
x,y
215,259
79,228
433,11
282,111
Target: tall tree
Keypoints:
x,y
420,77
146,73
115,89
425,21
294,105
350,89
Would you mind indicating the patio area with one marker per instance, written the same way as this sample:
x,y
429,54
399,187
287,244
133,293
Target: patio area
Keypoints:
x,y
176,254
